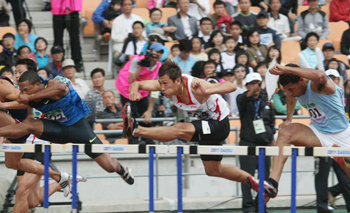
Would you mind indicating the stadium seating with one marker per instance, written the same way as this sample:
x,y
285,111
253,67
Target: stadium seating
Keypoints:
x,y
169,45
336,32
4,30
142,12
89,6
290,50
166,13
141,3
342,58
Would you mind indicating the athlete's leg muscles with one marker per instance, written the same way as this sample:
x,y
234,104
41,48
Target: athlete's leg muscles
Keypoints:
x,y
28,126
37,195
183,131
107,163
230,172
25,186
296,134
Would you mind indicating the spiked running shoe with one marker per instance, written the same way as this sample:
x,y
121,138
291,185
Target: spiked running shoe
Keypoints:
x,y
129,123
269,188
65,183
127,176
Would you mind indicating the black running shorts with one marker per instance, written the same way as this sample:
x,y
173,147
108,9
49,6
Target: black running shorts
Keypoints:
x,y
80,132
219,130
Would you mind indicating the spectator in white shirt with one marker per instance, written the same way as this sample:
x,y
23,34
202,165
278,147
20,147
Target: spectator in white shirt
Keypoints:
x,y
79,85
199,8
278,21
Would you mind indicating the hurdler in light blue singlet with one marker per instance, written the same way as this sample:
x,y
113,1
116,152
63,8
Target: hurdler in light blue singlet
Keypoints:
x,y
327,112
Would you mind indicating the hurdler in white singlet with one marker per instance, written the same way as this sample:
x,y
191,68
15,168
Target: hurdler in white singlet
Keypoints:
x,y
214,108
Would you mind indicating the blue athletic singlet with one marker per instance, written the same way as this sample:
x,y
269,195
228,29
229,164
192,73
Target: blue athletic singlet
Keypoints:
x,y
327,112
67,110
18,114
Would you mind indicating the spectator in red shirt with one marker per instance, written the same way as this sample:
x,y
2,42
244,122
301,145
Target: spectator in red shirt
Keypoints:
x,y
339,10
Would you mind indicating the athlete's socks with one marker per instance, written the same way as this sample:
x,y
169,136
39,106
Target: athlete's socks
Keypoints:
x,y
273,182
121,171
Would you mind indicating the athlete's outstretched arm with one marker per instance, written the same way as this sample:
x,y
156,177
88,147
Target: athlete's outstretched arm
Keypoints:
x,y
12,105
8,91
219,88
149,85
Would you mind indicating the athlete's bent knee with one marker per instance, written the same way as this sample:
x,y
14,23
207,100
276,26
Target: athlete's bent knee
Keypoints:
x,y
11,165
212,172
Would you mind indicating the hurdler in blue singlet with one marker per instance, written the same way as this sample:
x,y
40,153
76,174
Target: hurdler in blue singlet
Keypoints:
x,y
67,110
327,112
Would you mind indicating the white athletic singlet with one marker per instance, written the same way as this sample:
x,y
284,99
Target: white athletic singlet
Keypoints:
x,y
214,108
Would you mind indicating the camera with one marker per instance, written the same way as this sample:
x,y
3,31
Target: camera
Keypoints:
x,y
146,62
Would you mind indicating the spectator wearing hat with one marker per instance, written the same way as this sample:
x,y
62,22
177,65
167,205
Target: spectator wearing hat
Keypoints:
x,y
155,15
79,85
122,26
55,64
339,10
313,20
246,17
157,36
186,25
257,129
345,42
328,53
40,56
278,21
220,20
334,75
268,36
184,60
24,35
8,54
66,16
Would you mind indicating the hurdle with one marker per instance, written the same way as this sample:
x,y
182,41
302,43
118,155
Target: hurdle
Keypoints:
x,y
178,150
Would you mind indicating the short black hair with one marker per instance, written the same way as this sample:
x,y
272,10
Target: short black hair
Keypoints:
x,y
6,69
249,33
7,35
46,70
197,69
185,45
175,46
171,69
285,79
309,35
21,48
97,70
138,22
28,22
113,2
31,65
218,2
40,38
30,76
212,35
210,62
236,23
239,53
228,38
123,1
154,10
205,19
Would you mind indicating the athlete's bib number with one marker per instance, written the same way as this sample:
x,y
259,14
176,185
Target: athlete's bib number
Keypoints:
x,y
317,115
56,115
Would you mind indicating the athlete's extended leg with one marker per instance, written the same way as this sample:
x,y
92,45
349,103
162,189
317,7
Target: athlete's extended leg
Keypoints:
x,y
27,127
230,172
37,195
26,184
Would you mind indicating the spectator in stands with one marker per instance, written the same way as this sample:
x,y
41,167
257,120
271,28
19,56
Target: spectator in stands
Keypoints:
x,y
228,56
136,41
345,42
40,56
289,8
184,60
209,70
278,21
197,51
239,74
245,17
47,6
55,64
268,36
273,52
328,53
205,30
261,68
347,97
24,35
215,55
260,3
169,3
334,75
151,4
66,16
231,6
313,20
23,65
279,101
43,73
122,26
220,20
104,14
7,72
157,35
242,57
23,52
339,10
155,15
79,85
175,50
111,111
256,51
217,40
311,57
18,10
186,25
8,56
5,10
257,129
199,9
236,31
95,93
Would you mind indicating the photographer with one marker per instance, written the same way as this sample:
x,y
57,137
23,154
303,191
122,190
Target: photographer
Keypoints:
x,y
257,129
139,68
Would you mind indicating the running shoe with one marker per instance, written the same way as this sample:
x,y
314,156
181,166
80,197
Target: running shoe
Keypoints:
x,y
79,178
129,123
269,187
127,176
65,183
